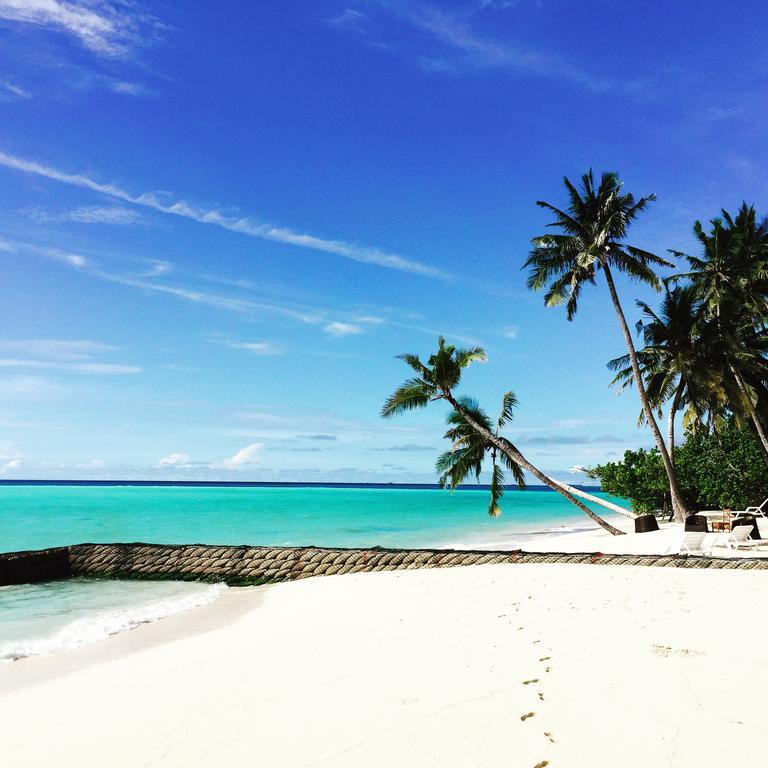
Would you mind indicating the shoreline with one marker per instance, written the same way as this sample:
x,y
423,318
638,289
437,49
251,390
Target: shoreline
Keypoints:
x,y
471,666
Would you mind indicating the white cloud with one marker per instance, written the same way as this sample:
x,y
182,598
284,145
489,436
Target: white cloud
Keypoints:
x,y
28,388
511,332
159,268
106,28
242,225
130,89
73,259
257,347
219,301
451,43
177,460
10,457
57,349
16,90
98,368
95,214
245,456
342,329
211,299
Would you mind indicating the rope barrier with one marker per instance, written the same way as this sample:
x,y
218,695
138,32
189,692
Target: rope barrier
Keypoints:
x,y
259,565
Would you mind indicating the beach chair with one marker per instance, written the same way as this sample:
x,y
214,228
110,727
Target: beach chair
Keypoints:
x,y
761,511
693,544
739,538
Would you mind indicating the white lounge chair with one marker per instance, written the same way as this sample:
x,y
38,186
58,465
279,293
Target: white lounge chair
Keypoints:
x,y
738,538
761,511
693,544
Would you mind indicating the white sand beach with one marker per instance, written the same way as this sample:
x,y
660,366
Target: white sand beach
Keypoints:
x,y
664,541
499,665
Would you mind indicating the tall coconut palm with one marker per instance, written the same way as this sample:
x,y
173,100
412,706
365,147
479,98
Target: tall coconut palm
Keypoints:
x,y
731,277
590,242
472,435
676,360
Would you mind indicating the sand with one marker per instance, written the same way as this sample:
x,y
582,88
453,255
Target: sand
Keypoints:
x,y
503,665
664,541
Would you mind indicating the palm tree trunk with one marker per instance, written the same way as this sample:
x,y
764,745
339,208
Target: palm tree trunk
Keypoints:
x,y
595,499
509,450
677,498
762,441
671,422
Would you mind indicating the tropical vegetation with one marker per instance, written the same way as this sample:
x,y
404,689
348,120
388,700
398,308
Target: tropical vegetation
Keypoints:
x,y
715,470
702,358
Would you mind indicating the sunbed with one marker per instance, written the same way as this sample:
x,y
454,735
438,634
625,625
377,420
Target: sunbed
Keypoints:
x,y
738,538
693,544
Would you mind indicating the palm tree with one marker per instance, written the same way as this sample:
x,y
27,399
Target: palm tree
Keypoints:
x,y
471,433
675,360
590,241
731,277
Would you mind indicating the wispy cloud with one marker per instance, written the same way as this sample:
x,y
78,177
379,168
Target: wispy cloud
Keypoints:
x,y
97,368
14,90
328,438
571,440
511,332
449,41
214,217
219,301
28,388
111,29
158,269
97,214
342,329
406,448
128,88
265,348
245,457
176,460
76,260
57,349
10,457
351,321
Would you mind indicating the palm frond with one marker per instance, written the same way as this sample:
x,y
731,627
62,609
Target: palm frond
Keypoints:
x,y
508,405
497,489
414,393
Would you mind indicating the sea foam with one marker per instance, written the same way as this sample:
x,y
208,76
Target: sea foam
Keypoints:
x,y
102,623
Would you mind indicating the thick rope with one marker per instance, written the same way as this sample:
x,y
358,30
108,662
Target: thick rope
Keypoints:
x,y
259,565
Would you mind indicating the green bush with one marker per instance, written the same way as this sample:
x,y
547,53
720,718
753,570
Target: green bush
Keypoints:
x,y
714,471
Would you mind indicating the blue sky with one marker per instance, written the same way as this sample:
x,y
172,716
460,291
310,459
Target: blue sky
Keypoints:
x,y
218,225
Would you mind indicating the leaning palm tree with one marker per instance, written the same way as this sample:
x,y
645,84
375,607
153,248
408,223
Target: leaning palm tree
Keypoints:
x,y
591,241
471,432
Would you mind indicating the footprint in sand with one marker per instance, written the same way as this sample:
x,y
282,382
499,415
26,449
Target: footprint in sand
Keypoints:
x,y
542,764
528,682
527,715
667,650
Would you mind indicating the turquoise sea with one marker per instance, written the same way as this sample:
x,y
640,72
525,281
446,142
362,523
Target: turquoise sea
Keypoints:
x,y
43,618
36,516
